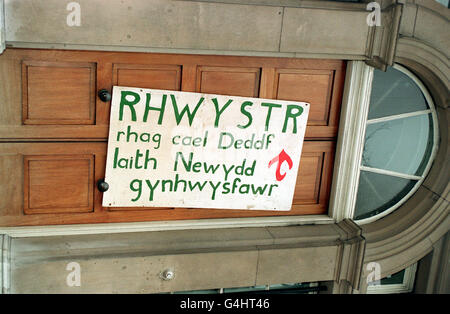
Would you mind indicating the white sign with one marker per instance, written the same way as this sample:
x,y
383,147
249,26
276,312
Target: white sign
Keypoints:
x,y
192,150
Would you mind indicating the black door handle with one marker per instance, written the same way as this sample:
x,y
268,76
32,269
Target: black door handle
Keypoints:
x,y
102,185
104,95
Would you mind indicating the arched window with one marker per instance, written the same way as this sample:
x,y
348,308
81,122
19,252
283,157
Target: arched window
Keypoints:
x,y
400,143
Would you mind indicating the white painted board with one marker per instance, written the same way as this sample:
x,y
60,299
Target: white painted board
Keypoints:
x,y
193,150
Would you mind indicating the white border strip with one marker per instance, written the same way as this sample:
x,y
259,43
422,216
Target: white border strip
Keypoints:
x,y
399,116
2,27
1,261
59,230
5,263
350,140
390,173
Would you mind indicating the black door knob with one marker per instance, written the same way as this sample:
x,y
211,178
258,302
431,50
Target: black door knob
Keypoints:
x,y
102,185
104,95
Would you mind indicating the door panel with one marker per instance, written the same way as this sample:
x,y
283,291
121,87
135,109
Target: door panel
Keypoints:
x,y
54,127
58,186
314,175
228,81
318,88
58,183
48,179
166,77
58,92
53,94
313,87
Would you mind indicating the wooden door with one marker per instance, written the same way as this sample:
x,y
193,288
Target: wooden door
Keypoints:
x,y
54,127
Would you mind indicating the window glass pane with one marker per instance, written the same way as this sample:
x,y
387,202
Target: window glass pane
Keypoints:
x,y
444,2
244,289
210,291
393,92
395,279
402,145
378,192
276,288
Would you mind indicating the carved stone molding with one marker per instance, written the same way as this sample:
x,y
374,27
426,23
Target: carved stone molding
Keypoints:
x,y
199,259
409,233
298,29
352,254
5,253
382,39
424,55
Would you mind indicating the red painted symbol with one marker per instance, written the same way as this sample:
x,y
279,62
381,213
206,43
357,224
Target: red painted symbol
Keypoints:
x,y
282,157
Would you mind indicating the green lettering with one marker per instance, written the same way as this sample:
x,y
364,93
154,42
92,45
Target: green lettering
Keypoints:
x,y
219,112
271,187
130,104
269,111
152,188
197,184
244,188
179,116
164,182
215,187
134,189
294,116
259,190
247,114
187,165
161,109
